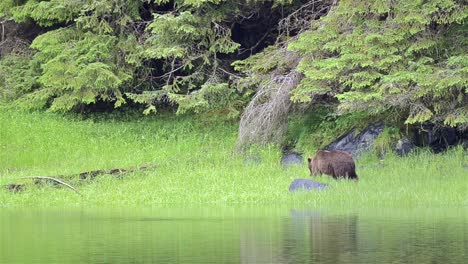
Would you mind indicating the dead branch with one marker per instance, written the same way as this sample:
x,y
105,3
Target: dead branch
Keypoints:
x,y
265,118
300,20
55,180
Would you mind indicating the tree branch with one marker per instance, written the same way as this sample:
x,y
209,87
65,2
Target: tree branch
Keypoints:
x,y
55,180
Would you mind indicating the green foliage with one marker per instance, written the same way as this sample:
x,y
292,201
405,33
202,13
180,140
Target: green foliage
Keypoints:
x,y
46,13
217,96
386,141
379,56
193,42
92,59
401,58
189,42
79,68
116,17
260,68
16,77
319,126
5,6
103,51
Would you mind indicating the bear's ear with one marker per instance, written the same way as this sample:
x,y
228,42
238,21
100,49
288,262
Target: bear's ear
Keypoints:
x,y
309,159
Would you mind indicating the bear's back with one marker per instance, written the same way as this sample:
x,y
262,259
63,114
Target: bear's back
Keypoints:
x,y
336,163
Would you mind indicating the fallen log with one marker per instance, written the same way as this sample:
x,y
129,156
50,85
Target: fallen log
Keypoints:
x,y
15,187
82,176
55,180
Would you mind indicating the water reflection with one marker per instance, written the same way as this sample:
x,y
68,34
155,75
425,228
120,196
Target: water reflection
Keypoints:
x,y
304,237
330,239
233,236
310,236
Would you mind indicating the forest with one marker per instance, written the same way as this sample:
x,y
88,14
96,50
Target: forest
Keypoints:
x,y
347,62
189,131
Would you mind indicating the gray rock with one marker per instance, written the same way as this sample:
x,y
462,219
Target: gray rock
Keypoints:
x,y
356,145
404,146
306,185
465,144
291,158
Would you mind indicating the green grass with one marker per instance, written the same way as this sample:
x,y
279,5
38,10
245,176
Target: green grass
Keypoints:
x,y
196,164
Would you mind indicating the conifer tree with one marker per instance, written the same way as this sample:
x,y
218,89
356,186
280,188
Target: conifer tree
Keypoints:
x,y
145,51
405,58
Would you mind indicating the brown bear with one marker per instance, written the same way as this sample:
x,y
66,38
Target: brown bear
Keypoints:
x,y
336,163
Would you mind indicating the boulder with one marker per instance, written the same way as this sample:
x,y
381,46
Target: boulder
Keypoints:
x,y
465,144
357,144
306,185
438,138
404,146
291,158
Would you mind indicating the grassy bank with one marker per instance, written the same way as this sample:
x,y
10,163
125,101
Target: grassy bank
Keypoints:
x,y
195,164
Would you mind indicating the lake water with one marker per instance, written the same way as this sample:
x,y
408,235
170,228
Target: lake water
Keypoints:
x,y
233,235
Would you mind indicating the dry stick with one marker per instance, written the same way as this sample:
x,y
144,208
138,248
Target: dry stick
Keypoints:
x,y
3,31
55,180
82,176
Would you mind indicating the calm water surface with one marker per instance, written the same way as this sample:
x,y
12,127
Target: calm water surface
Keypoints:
x,y
233,235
